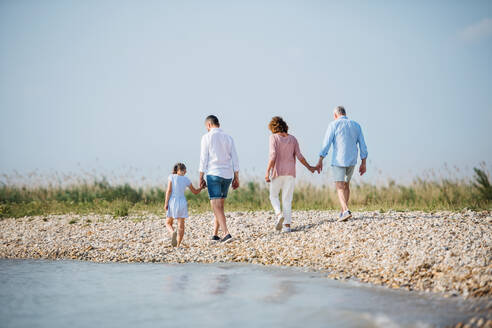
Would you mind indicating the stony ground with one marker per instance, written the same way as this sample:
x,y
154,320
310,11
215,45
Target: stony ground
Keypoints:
x,y
440,252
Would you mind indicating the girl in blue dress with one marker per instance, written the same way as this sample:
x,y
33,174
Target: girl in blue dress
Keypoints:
x,y
176,204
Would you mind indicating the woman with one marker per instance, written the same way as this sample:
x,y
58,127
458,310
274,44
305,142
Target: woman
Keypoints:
x,y
281,170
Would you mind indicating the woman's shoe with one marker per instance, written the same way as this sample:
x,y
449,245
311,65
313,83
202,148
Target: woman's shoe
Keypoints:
x,y
280,222
345,216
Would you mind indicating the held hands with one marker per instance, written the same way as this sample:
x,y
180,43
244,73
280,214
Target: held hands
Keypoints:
x,y
319,167
166,206
267,177
203,184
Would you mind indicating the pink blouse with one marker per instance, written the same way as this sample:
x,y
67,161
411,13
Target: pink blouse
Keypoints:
x,y
284,150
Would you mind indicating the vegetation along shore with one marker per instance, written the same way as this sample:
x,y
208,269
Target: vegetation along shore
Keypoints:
x,y
119,200
426,236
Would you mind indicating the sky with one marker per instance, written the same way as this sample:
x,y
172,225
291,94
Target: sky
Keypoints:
x,y
125,85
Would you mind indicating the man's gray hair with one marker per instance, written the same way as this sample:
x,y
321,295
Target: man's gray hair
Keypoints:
x,y
340,110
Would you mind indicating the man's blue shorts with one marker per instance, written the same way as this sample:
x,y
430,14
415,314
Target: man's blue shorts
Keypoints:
x,y
217,186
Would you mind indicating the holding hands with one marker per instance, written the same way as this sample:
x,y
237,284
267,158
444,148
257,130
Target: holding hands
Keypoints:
x,y
319,166
196,191
312,169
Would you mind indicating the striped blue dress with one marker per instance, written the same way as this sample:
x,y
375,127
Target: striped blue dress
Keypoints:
x,y
178,206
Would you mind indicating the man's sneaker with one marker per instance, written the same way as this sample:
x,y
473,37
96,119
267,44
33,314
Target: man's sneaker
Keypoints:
x,y
345,216
286,229
280,222
215,238
226,239
174,240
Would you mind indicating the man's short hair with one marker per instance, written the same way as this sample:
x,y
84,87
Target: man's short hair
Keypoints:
x,y
340,110
213,120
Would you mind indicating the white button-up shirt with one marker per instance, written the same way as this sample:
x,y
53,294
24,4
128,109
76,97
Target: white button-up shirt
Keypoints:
x,y
218,154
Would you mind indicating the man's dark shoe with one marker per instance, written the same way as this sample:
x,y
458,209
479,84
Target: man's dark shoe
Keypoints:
x,y
215,238
226,239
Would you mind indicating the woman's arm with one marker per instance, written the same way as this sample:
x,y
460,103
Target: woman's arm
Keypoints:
x,y
271,164
306,164
168,194
297,153
272,158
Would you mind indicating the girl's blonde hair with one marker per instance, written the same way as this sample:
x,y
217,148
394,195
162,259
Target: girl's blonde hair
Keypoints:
x,y
178,167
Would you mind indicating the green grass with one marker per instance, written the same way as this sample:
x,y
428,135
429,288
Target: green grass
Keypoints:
x,y
123,200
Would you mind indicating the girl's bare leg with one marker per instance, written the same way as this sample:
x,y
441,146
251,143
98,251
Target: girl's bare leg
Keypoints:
x,y
181,230
169,225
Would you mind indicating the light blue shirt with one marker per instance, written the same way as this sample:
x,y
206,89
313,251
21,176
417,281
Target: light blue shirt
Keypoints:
x,y
179,185
344,134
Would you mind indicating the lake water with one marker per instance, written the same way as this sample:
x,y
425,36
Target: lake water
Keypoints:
x,y
39,293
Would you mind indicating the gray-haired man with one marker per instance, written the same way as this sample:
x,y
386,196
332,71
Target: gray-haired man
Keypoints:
x,y
344,135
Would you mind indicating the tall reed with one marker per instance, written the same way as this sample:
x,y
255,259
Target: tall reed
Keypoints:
x,y
119,200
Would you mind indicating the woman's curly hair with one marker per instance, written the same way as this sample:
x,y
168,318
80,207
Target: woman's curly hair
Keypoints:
x,y
277,124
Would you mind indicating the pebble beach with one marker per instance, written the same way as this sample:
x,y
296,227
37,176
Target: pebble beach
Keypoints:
x,y
443,252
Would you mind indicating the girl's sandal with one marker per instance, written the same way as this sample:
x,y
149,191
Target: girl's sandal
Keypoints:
x,y
174,240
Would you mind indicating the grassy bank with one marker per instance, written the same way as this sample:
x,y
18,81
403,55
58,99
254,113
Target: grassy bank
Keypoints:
x,y
120,200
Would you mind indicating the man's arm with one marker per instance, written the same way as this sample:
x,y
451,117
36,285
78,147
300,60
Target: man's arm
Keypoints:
x,y
319,166
235,159
235,181
203,160
235,165
363,151
202,183
325,148
362,167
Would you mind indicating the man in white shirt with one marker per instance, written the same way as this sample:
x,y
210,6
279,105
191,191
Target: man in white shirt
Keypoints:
x,y
218,160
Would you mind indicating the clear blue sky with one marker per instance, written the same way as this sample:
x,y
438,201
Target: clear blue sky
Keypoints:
x,y
112,84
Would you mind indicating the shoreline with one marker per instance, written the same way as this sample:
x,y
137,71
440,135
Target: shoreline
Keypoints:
x,y
443,252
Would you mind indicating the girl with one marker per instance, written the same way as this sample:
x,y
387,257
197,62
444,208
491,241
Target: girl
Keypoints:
x,y
281,170
176,204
